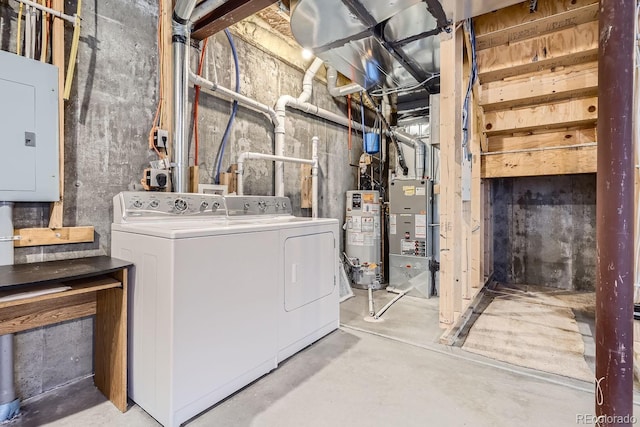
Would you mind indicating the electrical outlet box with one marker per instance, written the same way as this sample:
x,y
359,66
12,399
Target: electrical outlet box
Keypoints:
x,y
29,137
161,138
157,178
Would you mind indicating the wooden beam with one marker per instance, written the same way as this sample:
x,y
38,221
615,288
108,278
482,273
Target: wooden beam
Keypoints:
x,y
305,185
520,13
542,87
226,15
57,55
538,27
450,177
542,140
555,161
571,46
56,236
574,112
166,74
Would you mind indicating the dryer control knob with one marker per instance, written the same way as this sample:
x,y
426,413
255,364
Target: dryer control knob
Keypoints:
x,y
215,206
246,206
204,205
180,205
262,205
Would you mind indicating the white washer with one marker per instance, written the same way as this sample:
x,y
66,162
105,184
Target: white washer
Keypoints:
x,y
217,301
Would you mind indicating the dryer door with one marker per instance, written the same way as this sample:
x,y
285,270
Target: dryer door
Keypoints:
x,y
309,268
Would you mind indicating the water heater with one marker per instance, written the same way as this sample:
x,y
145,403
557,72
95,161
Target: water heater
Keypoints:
x,y
362,235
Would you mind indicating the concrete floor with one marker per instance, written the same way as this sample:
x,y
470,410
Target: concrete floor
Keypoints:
x,y
364,374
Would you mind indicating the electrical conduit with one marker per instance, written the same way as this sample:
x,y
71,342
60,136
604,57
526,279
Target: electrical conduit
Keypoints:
x,y
9,405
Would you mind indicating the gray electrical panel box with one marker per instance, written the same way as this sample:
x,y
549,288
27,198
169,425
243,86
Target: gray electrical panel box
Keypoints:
x,y
28,130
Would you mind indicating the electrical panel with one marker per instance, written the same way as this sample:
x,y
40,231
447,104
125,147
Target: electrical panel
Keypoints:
x,y
28,130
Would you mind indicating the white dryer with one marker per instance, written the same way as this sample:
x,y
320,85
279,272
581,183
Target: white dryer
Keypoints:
x,y
218,300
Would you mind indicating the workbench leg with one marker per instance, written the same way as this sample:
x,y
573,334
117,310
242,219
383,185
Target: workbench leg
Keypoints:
x,y
111,343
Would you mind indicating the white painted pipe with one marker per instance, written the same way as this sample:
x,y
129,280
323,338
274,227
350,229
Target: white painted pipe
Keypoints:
x,y
307,80
242,99
205,8
247,155
50,11
9,405
338,91
314,177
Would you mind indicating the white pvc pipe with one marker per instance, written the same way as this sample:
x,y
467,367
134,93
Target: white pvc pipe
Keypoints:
x,y
307,81
205,8
50,11
338,91
314,177
7,388
245,100
247,155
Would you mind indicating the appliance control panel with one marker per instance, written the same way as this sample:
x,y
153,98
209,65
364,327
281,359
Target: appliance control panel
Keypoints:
x,y
238,206
146,205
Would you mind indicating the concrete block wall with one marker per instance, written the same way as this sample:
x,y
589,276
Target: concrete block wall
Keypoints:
x,y
545,231
107,123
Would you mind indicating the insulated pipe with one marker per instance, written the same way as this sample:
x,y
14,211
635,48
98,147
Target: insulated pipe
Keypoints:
x,y
307,81
9,405
314,177
418,146
205,8
180,43
245,100
614,213
337,91
247,155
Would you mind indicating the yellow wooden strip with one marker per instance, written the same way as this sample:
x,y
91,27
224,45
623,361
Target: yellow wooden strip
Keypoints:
x,y
57,55
534,163
305,184
575,112
57,236
567,47
545,87
538,27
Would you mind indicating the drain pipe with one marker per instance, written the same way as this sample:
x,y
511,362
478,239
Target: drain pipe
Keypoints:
x,y
337,91
314,177
307,81
419,149
9,405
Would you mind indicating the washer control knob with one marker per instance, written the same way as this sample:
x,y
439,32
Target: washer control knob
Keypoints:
x,y
246,206
204,205
262,205
215,206
284,205
154,204
180,205
277,205
137,204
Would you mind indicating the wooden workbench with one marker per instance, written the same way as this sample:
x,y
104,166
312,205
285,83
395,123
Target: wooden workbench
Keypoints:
x,y
93,286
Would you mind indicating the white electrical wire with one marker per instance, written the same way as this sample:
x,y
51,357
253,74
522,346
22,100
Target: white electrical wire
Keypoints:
x,y
401,89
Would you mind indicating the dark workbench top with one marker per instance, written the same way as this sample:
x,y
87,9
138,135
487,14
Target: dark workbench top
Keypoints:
x,y
58,271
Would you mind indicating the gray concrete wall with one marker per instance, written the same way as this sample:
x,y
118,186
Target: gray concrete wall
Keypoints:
x,y
545,231
107,122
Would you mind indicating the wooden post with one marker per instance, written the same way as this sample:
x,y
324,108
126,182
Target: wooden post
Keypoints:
x,y
451,175
57,53
166,75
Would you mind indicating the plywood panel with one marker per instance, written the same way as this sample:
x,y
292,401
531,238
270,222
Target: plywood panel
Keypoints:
x,y
520,14
534,163
574,112
542,87
567,47
538,27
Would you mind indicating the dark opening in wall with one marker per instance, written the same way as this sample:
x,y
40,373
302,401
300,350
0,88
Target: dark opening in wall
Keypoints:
x,y
545,231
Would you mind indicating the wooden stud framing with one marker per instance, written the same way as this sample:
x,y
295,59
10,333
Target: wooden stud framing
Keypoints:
x,y
541,140
305,185
450,177
57,54
56,236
